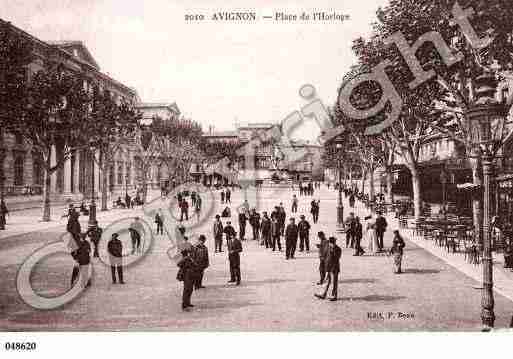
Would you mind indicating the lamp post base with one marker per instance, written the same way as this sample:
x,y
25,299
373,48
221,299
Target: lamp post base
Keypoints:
x,y
93,223
340,215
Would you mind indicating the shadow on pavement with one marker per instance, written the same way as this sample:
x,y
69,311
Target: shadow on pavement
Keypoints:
x,y
223,304
374,298
249,283
420,271
357,280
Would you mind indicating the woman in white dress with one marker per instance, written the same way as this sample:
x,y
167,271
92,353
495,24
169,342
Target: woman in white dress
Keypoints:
x,y
370,233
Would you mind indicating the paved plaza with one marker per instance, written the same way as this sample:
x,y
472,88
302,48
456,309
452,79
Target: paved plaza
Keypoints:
x,y
275,294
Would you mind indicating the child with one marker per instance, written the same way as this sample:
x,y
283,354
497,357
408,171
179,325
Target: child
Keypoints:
x,y
397,251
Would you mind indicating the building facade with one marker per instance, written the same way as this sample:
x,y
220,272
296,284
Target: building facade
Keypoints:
x,y
80,174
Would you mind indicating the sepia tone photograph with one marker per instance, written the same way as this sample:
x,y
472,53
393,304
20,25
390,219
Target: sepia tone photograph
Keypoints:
x,y
255,166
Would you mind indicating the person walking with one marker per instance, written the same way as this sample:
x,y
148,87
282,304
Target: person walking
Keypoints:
x,y
95,234
160,222
228,196
351,200
266,231
3,214
397,251
323,254
242,225
222,196
294,204
282,215
229,231
201,260
304,234
193,198
381,227
370,234
358,234
276,233
314,210
128,200
234,249
187,275
82,257
73,225
135,230
350,223
291,234
332,270
254,220
184,209
218,234
197,207
115,250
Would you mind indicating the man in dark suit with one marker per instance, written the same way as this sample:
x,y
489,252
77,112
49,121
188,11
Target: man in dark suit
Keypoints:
x,y
358,234
381,227
304,234
276,233
242,225
234,248
350,229
200,257
115,249
332,270
291,234
266,230
229,231
218,234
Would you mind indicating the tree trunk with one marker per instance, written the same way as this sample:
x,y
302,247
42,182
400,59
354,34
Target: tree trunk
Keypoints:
x,y
417,199
371,185
390,180
104,187
46,191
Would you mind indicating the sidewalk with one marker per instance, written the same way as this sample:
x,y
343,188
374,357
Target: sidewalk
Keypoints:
x,y
502,277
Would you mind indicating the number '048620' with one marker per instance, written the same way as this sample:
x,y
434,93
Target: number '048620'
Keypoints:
x,y
17,346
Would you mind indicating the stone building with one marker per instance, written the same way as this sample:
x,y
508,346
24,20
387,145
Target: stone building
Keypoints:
x,y
23,173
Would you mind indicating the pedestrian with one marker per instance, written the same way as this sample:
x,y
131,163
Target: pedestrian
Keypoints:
x,y
160,222
197,207
294,204
229,231
136,229
73,225
186,274
276,233
254,220
193,198
222,196
314,210
115,250
370,233
3,214
245,207
397,251
358,234
351,200
381,227
332,270
282,217
234,249
218,234
350,223
184,210
95,234
128,200
266,231
201,260
304,234
82,256
242,225
291,234
323,254
228,196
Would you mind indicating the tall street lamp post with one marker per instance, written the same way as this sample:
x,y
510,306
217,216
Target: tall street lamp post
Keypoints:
x,y
93,223
340,207
487,125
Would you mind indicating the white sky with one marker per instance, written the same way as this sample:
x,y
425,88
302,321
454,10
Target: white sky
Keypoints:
x,y
216,72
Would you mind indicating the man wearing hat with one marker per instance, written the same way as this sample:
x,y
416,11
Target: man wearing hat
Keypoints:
x,y
304,232
218,234
115,249
291,239
234,248
332,270
200,256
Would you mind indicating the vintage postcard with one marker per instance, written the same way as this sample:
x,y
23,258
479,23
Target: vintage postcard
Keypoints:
x,y
283,166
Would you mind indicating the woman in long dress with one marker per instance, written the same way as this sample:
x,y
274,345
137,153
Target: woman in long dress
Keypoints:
x,y
372,239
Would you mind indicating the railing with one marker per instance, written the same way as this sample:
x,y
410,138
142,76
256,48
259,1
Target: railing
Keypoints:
x,y
23,191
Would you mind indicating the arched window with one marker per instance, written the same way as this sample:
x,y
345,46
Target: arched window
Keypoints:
x,y
18,170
